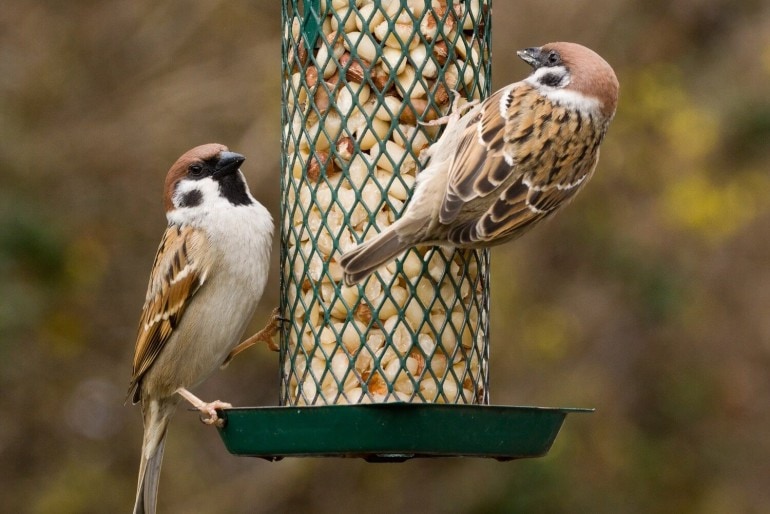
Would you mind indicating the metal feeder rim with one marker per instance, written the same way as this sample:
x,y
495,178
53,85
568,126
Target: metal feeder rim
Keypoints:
x,y
393,432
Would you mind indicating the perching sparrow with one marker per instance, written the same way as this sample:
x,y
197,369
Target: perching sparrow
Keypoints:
x,y
207,278
508,162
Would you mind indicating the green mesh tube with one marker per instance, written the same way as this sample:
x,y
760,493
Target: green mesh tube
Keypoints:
x,y
358,77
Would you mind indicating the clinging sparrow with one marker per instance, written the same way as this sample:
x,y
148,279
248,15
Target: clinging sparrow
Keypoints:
x,y
207,278
508,162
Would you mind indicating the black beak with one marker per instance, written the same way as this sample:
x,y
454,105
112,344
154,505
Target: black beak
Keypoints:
x,y
532,56
228,163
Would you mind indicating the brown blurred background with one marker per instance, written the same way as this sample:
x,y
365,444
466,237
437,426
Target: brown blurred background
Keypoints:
x,y
647,298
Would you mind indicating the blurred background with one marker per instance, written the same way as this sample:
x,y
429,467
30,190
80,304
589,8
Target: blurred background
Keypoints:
x,y
647,298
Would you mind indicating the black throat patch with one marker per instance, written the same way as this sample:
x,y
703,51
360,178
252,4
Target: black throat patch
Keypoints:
x,y
234,189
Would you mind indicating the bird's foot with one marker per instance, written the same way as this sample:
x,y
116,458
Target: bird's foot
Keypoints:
x,y
209,414
208,410
265,335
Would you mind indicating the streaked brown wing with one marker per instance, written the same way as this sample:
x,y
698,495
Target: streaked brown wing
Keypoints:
x,y
181,267
480,147
522,161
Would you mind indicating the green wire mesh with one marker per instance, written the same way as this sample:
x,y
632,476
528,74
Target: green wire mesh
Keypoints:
x,y
359,77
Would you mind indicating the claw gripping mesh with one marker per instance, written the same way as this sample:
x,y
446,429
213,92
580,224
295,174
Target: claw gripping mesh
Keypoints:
x,y
358,78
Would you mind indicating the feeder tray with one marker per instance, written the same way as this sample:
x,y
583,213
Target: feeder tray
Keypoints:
x,y
392,432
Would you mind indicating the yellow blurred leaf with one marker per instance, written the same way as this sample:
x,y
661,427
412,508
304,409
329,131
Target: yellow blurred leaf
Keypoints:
x,y
548,330
692,132
714,211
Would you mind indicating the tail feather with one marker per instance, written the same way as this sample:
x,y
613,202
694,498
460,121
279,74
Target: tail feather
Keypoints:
x,y
363,260
149,474
157,414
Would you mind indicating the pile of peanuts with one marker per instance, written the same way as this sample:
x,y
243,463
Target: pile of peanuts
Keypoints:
x,y
415,331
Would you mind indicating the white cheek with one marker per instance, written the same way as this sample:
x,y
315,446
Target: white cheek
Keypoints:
x,y
537,78
210,198
208,188
562,95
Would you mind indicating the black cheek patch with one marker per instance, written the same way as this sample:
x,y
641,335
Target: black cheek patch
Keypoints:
x,y
192,198
551,79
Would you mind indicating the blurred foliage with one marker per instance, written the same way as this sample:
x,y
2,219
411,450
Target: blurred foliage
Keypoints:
x,y
647,298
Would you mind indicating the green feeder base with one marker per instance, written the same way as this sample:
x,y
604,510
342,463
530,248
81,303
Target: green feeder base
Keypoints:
x,y
392,432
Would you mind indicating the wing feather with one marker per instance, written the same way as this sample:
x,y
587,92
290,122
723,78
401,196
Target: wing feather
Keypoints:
x,y
522,158
181,266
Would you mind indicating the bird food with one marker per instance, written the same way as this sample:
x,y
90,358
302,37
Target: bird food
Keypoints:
x,y
356,94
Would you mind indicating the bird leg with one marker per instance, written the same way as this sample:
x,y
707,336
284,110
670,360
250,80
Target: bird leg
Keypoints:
x,y
209,410
263,336
457,110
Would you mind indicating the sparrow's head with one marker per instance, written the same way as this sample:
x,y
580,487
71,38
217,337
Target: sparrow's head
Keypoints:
x,y
573,68
205,175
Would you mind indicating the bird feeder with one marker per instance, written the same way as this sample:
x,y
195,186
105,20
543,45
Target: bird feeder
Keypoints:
x,y
372,370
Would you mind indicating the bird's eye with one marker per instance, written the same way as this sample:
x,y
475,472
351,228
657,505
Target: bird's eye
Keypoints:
x,y
553,58
195,170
